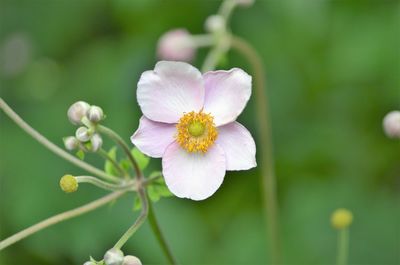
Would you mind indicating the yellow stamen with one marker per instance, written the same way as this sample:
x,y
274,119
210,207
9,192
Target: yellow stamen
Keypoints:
x,y
196,132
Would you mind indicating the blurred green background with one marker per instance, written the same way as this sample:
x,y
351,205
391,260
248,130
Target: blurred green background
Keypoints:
x,y
333,71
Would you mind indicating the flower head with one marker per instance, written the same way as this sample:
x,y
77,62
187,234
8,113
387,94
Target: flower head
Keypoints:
x,y
189,120
176,45
68,183
341,218
391,124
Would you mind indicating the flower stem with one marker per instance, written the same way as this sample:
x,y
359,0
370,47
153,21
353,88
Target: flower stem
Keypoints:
x,y
343,246
139,221
104,185
161,239
263,121
113,135
59,218
52,147
105,155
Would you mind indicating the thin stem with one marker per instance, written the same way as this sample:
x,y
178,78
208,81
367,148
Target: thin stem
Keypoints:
x,y
105,155
226,9
113,135
52,147
105,185
343,246
215,54
161,239
263,121
59,218
139,221
203,40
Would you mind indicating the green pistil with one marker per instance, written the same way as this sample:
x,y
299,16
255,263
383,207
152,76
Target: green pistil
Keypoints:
x,y
196,129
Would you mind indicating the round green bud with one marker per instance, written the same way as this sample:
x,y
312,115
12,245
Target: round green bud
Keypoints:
x,y
196,128
68,183
341,218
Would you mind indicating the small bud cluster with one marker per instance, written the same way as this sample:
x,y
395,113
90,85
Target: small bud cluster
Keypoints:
x,y
86,138
116,257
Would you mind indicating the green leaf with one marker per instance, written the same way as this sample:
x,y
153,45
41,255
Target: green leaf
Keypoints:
x,y
153,193
137,204
125,164
108,166
142,159
158,188
80,154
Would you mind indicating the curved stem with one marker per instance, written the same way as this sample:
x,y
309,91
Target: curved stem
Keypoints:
x,y
343,247
52,147
263,121
139,221
161,239
105,155
104,185
113,135
59,218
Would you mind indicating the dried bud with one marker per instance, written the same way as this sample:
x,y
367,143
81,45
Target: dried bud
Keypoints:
x,y
114,257
95,114
215,23
68,183
341,218
71,143
77,111
391,124
131,260
176,45
96,142
83,134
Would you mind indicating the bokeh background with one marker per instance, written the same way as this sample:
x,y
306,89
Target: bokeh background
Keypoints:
x,y
333,72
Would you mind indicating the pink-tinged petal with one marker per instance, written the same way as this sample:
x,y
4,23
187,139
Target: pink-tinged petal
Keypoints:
x,y
227,93
193,175
239,146
169,91
152,138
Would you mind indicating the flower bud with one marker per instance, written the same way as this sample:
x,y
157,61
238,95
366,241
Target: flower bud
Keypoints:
x,y
131,260
77,111
114,257
70,143
214,23
244,3
341,218
68,183
96,142
95,114
391,124
176,45
83,134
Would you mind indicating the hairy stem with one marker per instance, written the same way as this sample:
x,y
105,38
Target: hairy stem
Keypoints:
x,y
113,135
139,221
161,239
52,147
59,218
263,121
105,185
343,246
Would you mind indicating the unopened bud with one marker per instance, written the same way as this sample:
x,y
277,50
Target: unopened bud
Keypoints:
x,y
341,218
391,124
96,142
89,263
214,23
176,45
131,260
95,114
77,111
244,3
114,257
68,183
83,134
71,143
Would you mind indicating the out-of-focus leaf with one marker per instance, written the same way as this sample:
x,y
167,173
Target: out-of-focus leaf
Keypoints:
x,y
80,154
108,166
137,204
142,159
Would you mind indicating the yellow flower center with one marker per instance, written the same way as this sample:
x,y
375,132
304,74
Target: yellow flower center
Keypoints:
x,y
196,132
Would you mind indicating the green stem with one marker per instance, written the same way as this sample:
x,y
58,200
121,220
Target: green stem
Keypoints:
x,y
105,155
343,246
161,239
113,135
267,165
139,221
59,218
105,185
52,147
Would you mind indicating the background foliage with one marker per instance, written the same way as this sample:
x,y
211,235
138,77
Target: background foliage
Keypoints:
x,y
333,69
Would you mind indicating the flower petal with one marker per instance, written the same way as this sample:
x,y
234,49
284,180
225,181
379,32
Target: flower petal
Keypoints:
x,y
152,138
172,89
227,93
193,175
239,146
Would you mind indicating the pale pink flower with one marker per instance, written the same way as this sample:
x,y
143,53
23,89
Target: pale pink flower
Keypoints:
x,y
189,120
176,45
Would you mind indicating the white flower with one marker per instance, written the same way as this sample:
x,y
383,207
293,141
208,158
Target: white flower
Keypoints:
x,y
391,124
